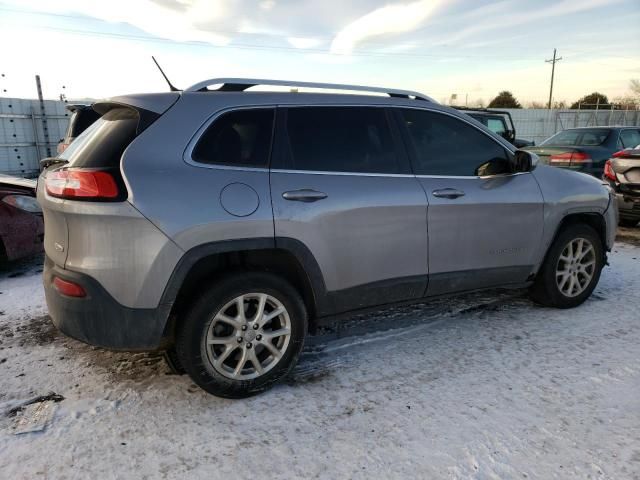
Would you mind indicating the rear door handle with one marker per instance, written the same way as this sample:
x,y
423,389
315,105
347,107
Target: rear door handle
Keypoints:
x,y
304,195
448,193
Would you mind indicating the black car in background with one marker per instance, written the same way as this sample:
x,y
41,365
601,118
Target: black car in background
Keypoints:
x,y
498,121
586,149
81,117
622,172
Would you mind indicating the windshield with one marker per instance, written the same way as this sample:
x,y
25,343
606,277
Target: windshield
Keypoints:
x,y
582,137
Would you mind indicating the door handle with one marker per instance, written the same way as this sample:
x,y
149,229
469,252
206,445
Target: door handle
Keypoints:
x,y
451,193
304,195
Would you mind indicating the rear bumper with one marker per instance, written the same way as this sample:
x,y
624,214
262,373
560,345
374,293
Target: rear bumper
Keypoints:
x,y
100,320
627,207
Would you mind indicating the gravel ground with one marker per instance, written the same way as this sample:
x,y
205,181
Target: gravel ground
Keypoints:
x,y
481,386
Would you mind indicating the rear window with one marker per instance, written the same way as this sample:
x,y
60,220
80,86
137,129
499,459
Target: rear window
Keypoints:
x,y
583,137
104,141
80,120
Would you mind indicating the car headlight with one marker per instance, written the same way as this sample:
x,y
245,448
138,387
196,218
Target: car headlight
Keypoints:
x,y
23,202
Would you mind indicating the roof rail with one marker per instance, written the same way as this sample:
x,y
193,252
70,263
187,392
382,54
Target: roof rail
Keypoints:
x,y
242,84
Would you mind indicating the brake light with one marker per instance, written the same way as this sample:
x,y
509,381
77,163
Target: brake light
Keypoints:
x,y
620,154
81,184
70,289
608,171
570,157
62,147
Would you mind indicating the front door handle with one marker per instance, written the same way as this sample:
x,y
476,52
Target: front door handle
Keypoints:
x,y
304,195
448,193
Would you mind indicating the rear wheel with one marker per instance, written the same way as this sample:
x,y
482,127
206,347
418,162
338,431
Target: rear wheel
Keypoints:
x,y
571,269
243,335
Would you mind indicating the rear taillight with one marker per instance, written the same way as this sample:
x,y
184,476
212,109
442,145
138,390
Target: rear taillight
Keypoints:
x,y
570,157
81,184
70,289
620,154
608,171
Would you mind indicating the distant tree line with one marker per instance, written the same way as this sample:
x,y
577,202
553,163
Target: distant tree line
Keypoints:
x,y
592,101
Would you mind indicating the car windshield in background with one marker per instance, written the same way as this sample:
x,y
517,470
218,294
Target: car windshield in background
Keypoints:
x,y
582,137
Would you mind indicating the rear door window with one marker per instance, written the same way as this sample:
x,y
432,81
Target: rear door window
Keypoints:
x,y
340,139
446,146
239,138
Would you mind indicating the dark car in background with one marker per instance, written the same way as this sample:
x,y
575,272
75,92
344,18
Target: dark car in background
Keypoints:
x,y
82,116
622,172
21,225
586,149
499,122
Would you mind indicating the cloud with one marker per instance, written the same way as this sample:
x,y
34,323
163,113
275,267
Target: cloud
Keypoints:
x,y
178,20
304,42
385,20
490,20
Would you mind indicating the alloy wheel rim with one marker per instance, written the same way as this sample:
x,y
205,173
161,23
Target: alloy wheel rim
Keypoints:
x,y
576,267
248,336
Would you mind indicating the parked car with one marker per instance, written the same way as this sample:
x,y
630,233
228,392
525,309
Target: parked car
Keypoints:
x,y
585,149
21,225
499,122
223,225
82,116
622,172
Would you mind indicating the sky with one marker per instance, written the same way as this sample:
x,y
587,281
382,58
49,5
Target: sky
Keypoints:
x,y
471,48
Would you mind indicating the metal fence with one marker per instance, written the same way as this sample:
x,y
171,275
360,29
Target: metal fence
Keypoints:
x,y
540,124
26,135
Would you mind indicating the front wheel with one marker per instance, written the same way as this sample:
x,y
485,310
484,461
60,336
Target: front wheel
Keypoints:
x,y
571,269
243,335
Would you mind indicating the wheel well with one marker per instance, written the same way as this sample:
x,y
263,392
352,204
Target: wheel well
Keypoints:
x,y
205,270
594,220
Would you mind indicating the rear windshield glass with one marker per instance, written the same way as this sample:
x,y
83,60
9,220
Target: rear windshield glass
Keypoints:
x,y
102,144
583,137
81,119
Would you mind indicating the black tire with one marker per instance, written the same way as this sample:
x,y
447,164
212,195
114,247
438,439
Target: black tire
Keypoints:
x,y
628,222
545,289
192,333
173,362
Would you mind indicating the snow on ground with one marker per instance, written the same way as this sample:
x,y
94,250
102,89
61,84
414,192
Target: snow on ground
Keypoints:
x,y
476,387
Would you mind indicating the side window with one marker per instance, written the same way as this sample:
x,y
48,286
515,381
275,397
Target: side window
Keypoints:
x,y
238,138
497,126
341,139
630,138
444,145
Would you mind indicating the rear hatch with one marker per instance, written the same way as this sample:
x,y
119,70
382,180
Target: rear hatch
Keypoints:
x,y
85,179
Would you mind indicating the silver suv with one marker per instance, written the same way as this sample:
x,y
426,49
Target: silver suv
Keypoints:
x,y
223,224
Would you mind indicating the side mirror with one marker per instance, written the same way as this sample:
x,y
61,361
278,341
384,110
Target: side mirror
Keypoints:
x,y
525,161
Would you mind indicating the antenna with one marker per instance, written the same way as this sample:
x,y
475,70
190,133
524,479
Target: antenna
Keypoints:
x,y
171,87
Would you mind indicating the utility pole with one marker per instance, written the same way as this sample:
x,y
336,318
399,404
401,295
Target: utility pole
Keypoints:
x,y
553,70
43,117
